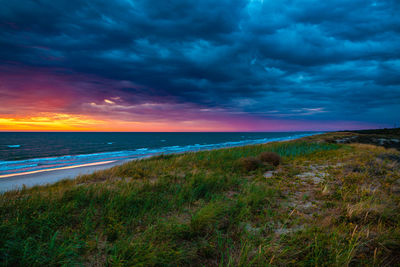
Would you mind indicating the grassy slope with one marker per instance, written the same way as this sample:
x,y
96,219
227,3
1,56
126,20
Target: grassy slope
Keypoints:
x,y
326,204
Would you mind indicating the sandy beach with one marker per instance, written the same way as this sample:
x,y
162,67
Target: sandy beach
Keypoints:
x,y
47,176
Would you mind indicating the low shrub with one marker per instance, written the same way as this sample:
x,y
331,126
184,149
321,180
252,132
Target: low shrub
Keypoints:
x,y
249,163
270,157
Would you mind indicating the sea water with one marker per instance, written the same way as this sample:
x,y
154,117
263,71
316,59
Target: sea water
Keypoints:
x,y
27,152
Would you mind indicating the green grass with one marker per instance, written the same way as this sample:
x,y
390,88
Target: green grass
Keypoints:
x,y
188,209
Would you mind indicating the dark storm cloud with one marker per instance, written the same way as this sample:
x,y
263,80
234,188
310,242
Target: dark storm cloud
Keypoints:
x,y
316,60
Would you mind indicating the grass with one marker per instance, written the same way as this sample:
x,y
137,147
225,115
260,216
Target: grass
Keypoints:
x,y
203,209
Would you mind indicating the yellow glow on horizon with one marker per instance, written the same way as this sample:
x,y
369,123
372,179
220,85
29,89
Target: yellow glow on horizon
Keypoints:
x,y
49,121
74,122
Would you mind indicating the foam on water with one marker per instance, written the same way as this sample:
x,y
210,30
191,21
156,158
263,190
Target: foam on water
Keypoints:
x,y
35,164
13,146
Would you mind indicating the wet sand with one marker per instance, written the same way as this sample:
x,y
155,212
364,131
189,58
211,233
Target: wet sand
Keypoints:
x,y
51,176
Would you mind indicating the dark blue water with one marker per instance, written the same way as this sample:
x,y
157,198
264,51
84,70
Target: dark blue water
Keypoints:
x,y
22,152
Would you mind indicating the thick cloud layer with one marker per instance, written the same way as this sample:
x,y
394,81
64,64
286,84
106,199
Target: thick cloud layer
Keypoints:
x,y
295,60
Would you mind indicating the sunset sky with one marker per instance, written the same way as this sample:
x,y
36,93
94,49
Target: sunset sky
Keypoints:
x,y
201,65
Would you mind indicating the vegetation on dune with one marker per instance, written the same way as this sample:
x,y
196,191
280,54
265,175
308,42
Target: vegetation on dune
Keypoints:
x,y
270,157
325,204
249,163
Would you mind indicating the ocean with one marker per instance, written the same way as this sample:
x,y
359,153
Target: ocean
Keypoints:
x,y
27,152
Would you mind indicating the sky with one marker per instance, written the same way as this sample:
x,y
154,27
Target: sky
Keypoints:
x,y
199,65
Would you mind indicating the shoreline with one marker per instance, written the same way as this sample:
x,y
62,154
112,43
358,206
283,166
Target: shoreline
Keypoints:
x,y
16,181
56,169
50,176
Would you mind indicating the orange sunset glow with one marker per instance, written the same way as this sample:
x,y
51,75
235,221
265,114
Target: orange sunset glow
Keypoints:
x,y
43,99
71,122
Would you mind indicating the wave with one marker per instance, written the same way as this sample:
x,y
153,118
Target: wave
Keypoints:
x,y
13,146
35,164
